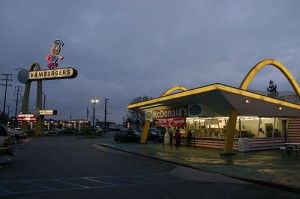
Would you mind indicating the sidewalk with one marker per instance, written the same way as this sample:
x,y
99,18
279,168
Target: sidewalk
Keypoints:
x,y
267,166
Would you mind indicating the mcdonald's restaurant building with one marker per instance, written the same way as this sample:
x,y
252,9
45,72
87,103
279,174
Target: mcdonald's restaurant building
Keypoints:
x,y
226,117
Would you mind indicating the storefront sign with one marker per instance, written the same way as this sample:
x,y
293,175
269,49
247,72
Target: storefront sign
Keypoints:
x,y
170,113
61,73
26,117
171,122
48,112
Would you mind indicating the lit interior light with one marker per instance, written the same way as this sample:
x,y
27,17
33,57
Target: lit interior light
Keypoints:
x,y
280,108
247,101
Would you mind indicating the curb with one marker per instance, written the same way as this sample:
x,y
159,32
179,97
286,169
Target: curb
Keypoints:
x,y
254,181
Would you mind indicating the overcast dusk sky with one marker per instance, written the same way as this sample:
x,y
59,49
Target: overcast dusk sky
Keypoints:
x,y
127,48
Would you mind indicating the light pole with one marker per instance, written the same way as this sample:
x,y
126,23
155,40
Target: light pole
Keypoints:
x,y
44,101
94,102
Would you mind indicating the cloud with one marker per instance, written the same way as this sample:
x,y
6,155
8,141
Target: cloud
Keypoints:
x,y
124,49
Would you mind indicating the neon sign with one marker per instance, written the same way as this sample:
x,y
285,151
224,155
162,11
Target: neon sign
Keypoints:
x,y
54,56
60,73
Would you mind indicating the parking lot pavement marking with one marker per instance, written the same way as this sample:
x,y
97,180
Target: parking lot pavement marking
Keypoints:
x,y
20,186
86,182
74,184
54,184
100,181
128,179
82,183
37,185
165,177
112,181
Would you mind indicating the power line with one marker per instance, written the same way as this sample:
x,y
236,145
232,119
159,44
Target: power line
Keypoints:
x,y
8,78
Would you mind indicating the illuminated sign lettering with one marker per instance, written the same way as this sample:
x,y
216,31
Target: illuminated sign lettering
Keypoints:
x,y
26,117
170,113
48,112
61,73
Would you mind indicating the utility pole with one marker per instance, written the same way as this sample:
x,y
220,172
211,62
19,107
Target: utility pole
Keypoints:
x,y
17,91
8,110
105,114
87,114
44,101
8,78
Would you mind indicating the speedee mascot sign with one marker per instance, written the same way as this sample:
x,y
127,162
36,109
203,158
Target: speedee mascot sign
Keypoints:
x,y
54,55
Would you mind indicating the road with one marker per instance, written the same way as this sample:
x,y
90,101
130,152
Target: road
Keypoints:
x,y
69,167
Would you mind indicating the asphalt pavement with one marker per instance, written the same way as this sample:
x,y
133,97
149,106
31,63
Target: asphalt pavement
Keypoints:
x,y
70,167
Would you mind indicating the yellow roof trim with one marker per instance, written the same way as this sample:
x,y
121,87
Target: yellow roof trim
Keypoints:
x,y
211,87
257,96
173,96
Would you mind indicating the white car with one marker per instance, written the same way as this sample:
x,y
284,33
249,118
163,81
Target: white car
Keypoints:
x,y
17,134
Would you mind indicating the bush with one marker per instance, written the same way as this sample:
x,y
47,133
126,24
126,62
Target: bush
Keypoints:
x,y
85,131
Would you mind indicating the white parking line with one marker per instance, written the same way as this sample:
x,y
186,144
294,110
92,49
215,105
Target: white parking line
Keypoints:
x,y
91,179
129,180
103,182
37,185
73,184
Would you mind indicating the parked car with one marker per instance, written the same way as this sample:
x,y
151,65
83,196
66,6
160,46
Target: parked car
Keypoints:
x,y
125,136
98,130
17,134
6,143
155,135
67,131
51,132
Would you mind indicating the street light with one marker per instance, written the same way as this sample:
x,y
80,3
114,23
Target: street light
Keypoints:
x,y
94,102
44,100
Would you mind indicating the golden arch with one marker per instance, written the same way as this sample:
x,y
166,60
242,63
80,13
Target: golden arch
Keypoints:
x,y
244,86
249,77
173,89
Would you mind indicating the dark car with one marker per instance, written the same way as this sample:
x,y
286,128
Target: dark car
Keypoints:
x,y
67,131
6,143
155,135
125,136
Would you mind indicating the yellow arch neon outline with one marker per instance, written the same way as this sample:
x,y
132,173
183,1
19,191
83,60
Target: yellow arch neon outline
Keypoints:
x,y
34,66
173,89
249,77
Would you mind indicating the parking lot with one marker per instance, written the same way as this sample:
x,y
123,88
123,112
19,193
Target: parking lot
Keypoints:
x,y
72,167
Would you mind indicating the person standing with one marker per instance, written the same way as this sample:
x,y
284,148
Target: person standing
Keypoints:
x,y
189,137
171,138
177,138
163,136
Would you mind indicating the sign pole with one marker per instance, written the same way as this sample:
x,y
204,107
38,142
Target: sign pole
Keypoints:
x,y
39,99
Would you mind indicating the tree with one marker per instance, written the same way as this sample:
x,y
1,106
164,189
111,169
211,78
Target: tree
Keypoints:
x,y
272,89
3,118
137,117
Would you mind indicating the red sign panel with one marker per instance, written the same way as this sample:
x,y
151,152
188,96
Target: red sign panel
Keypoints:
x,y
26,117
172,122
